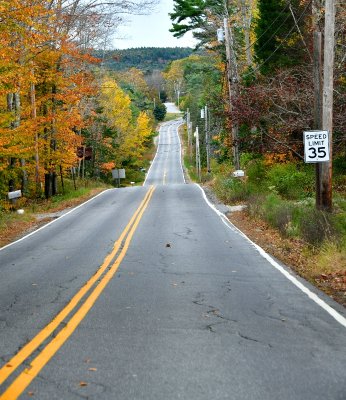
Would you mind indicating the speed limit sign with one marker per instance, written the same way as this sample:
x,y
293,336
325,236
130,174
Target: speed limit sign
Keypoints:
x,y
316,146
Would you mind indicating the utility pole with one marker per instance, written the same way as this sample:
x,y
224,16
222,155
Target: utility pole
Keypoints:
x,y
198,155
207,137
232,81
189,133
327,113
317,75
204,114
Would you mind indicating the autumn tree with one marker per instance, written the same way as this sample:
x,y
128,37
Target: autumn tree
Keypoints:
x,y
47,84
125,135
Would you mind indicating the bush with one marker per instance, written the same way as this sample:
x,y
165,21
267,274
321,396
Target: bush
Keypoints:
x,y
290,182
256,172
231,190
298,219
159,112
316,226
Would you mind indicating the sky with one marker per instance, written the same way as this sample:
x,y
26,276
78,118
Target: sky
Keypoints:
x,y
151,30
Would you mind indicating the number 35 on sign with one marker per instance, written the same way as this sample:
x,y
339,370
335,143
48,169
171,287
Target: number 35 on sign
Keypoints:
x,y
316,146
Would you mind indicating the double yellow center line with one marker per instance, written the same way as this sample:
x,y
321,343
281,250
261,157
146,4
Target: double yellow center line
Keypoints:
x,y
84,298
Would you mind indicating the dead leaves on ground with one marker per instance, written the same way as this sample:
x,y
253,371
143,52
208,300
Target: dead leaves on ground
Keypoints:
x,y
291,252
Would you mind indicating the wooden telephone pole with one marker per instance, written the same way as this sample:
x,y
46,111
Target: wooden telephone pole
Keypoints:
x,y
325,187
232,85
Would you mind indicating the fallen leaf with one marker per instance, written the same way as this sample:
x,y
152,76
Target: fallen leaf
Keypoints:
x,y
31,394
92,369
83,384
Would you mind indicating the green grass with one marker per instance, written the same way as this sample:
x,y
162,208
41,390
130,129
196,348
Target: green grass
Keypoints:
x,y
171,116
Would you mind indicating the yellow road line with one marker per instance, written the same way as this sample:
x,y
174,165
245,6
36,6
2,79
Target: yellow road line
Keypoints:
x,y
22,381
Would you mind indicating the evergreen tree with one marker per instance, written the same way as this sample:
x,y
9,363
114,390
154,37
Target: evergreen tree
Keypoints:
x,y
160,112
279,42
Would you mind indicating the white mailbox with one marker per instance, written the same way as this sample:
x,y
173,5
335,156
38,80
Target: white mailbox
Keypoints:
x,y
238,173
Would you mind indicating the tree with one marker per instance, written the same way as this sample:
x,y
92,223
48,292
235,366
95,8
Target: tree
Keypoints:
x,y
46,83
279,26
160,112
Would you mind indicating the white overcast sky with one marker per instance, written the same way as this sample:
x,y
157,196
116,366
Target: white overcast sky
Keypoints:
x,y
151,30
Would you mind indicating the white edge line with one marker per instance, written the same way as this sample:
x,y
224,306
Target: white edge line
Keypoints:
x,y
152,163
54,220
338,317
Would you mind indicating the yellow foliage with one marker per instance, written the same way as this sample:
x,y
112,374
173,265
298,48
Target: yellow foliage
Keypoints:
x,y
134,143
116,106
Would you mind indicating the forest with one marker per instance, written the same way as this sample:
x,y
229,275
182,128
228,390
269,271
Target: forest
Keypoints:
x,y
62,114
146,59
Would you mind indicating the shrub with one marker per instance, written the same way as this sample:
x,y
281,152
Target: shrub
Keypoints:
x,y
231,190
316,226
160,112
291,182
256,172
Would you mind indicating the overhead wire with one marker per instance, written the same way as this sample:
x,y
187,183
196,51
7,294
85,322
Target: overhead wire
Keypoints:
x,y
273,22
280,45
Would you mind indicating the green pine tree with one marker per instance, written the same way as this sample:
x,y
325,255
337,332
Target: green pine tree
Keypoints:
x,y
278,40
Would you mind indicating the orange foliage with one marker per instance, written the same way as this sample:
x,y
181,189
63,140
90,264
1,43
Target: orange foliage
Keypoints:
x,y
44,79
271,159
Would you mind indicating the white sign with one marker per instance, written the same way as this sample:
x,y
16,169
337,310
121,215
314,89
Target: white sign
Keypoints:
x,y
14,195
118,174
238,173
220,35
316,146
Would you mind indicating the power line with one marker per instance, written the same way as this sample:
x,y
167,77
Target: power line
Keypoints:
x,y
280,14
280,45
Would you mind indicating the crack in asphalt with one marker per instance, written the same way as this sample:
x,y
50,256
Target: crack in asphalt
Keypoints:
x,y
186,235
216,313
248,338
281,318
62,288
13,303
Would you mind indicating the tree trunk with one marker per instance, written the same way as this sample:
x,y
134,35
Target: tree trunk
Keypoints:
x,y
37,159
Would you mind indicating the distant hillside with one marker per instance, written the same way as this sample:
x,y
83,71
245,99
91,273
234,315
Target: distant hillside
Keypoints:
x,y
145,58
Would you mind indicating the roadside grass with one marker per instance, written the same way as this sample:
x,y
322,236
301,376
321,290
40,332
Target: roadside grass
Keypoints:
x,y
328,259
13,225
171,116
68,196
283,197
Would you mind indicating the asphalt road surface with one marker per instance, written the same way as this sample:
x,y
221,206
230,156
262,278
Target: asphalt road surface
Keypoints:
x,y
149,293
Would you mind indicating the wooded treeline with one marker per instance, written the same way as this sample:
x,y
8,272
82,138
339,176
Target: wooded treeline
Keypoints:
x,y
260,95
146,59
58,107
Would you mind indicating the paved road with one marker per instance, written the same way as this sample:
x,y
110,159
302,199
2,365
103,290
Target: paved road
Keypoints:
x,y
172,108
184,307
